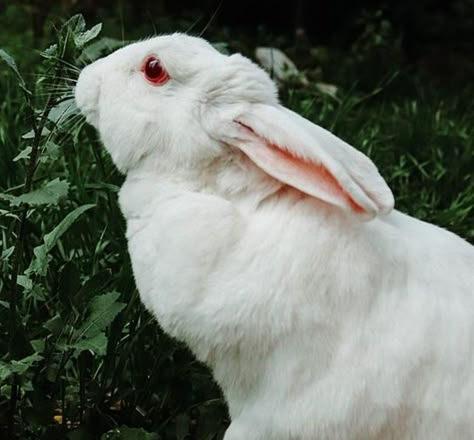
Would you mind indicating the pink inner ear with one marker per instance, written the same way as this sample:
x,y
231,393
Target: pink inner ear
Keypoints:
x,y
299,173
313,171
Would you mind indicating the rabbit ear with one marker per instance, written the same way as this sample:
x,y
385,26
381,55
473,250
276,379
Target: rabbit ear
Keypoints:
x,y
310,159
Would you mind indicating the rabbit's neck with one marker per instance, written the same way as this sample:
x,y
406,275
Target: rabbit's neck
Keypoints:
x,y
234,178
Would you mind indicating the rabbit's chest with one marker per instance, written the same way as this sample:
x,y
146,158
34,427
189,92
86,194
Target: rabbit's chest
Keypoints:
x,y
176,241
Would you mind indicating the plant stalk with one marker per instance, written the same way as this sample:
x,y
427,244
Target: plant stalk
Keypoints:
x,y
20,240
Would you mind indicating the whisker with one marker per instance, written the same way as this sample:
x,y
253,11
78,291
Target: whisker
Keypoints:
x,y
56,87
152,22
122,29
73,126
217,10
190,28
67,128
66,63
59,97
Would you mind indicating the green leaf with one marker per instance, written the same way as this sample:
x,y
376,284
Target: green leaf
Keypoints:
x,y
12,65
31,134
51,51
25,282
22,365
95,50
39,263
18,367
5,372
50,194
55,325
50,153
96,344
84,37
38,344
52,238
8,252
222,47
23,154
95,284
103,310
63,111
75,24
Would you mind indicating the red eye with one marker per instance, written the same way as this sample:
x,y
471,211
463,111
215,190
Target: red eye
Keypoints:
x,y
154,71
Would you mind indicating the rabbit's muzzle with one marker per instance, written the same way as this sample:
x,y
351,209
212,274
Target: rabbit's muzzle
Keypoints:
x,y
87,93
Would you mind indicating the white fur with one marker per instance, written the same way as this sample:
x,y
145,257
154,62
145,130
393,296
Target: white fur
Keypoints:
x,y
316,325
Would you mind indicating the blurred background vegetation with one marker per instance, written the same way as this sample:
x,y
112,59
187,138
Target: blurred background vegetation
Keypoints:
x,y
79,356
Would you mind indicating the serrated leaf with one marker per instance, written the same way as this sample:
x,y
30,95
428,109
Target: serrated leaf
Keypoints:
x,y
51,51
96,344
51,152
39,264
84,37
102,311
14,68
75,24
23,154
49,194
52,149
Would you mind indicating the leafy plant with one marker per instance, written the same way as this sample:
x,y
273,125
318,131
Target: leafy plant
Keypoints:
x,y
79,356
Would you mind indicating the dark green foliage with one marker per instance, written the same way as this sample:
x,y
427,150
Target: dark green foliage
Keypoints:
x,y
79,356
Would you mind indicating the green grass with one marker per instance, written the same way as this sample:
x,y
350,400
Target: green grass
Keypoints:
x,y
83,357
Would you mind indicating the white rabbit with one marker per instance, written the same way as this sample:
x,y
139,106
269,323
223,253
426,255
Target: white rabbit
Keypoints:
x,y
271,248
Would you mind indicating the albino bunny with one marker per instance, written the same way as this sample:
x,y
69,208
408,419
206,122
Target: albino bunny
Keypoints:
x,y
271,248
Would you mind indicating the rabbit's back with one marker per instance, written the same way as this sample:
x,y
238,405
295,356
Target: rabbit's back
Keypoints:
x,y
351,330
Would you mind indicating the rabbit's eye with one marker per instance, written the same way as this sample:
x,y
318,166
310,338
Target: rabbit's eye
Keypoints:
x,y
154,72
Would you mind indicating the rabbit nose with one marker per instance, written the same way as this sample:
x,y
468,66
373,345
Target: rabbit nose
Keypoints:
x,y
87,92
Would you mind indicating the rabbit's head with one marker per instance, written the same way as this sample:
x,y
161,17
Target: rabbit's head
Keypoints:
x,y
152,98
177,101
